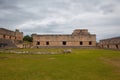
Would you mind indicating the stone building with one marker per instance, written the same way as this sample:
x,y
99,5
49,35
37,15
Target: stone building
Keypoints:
x,y
111,43
79,38
10,38
27,44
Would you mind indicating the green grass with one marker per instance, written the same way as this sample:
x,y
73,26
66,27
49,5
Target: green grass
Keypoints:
x,y
81,64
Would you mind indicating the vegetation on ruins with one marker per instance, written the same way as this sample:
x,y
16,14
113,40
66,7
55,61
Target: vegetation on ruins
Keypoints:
x,y
80,64
27,38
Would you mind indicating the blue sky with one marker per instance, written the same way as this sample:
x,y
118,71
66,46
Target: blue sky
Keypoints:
x,y
100,17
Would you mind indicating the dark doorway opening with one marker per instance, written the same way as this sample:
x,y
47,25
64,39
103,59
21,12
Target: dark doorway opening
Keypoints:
x,y
38,43
81,43
117,46
107,46
90,42
64,42
47,43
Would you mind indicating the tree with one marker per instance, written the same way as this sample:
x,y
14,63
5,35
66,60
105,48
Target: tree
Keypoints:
x,y
27,38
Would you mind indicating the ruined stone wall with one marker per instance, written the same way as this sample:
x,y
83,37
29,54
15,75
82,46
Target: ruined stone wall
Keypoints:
x,y
77,38
9,39
19,35
112,43
12,35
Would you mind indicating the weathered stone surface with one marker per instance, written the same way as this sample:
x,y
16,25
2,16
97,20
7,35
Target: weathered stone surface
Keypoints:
x,y
111,43
79,37
8,38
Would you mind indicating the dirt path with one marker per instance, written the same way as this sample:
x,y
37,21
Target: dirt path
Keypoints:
x,y
114,62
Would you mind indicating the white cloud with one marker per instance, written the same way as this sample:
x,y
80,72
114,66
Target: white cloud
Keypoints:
x,y
62,16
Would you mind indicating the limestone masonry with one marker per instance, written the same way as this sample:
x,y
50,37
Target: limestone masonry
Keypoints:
x,y
111,43
10,38
79,38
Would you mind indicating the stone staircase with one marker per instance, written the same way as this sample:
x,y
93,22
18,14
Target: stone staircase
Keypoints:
x,y
6,43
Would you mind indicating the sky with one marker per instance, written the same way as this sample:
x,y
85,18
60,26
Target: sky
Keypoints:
x,y
100,17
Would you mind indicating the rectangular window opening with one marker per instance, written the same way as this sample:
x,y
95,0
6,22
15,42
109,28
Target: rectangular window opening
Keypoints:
x,y
81,43
47,43
10,37
3,36
64,42
38,43
117,46
90,42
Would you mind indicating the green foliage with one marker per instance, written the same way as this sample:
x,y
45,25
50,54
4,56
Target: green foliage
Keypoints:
x,y
28,38
81,64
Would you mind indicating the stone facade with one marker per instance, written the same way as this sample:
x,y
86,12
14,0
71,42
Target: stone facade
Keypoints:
x,y
10,37
27,45
111,43
79,38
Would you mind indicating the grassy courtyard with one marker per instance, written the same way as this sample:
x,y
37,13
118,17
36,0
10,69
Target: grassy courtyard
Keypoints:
x,y
81,64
